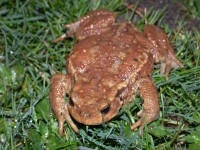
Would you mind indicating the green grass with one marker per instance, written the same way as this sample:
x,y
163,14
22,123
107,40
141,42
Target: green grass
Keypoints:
x,y
28,59
192,7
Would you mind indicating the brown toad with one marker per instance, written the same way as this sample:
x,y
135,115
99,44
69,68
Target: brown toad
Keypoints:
x,y
108,65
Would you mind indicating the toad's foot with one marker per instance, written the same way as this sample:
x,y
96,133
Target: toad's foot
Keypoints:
x,y
150,110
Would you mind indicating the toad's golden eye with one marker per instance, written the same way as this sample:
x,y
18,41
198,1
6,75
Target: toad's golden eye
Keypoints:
x,y
71,102
105,110
119,92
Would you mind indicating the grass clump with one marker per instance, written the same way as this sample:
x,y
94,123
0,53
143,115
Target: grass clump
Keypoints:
x,y
28,59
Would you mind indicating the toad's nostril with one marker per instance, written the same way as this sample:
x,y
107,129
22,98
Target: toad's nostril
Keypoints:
x,y
105,110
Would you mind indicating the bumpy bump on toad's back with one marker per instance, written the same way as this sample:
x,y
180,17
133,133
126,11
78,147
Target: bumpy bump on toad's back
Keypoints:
x,y
105,69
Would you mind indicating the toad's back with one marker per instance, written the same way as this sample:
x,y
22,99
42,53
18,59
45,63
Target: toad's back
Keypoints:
x,y
122,53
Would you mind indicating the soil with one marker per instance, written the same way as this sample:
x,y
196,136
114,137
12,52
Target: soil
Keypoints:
x,y
174,11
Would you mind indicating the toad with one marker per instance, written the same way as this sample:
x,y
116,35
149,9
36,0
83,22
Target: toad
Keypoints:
x,y
110,63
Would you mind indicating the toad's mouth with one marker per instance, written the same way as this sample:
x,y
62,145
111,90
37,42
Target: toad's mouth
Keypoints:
x,y
95,116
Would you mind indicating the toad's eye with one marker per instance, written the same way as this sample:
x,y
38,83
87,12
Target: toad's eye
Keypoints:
x,y
105,110
119,92
71,102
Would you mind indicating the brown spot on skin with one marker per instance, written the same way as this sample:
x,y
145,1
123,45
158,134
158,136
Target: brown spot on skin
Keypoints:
x,y
135,59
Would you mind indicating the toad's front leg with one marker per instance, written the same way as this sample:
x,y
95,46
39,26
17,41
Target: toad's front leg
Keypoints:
x,y
151,107
60,85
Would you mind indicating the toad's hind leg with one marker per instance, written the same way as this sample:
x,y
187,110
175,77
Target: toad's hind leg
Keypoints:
x,y
163,50
88,25
150,110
